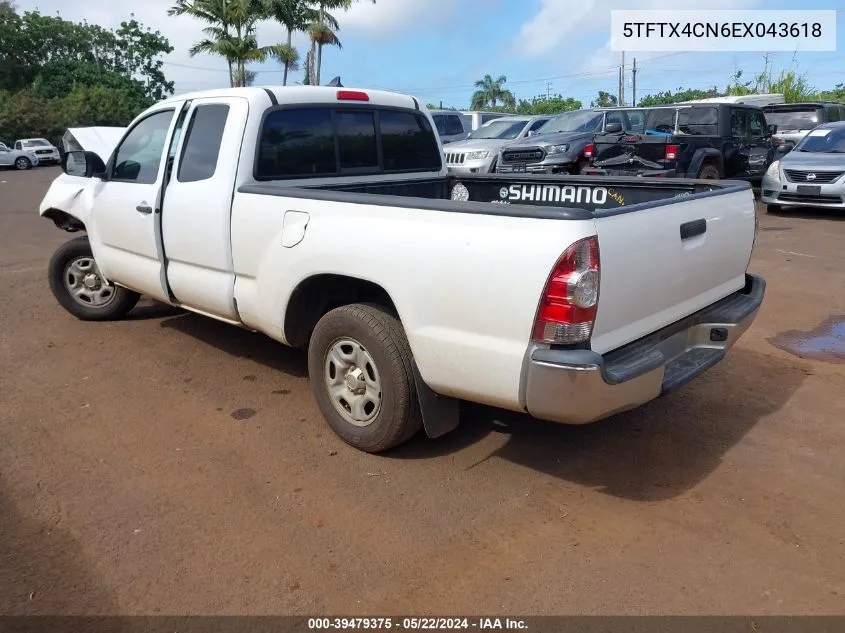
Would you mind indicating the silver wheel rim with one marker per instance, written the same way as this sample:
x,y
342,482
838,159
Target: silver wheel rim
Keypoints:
x,y
352,381
85,283
22,163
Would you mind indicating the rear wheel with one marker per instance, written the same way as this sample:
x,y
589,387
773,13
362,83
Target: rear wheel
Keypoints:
x,y
80,288
23,163
359,362
709,172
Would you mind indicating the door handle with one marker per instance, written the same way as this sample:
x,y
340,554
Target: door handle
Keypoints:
x,y
144,208
693,229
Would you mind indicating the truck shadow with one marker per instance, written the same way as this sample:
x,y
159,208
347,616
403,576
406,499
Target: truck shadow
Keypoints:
x,y
43,570
653,453
240,343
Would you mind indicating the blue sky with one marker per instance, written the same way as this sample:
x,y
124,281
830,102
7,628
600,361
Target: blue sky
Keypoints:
x,y
436,49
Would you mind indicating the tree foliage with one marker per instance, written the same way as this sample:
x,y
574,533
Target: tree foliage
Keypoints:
x,y
55,73
681,94
490,92
605,100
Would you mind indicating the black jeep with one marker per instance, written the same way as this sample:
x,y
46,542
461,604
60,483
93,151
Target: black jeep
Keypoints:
x,y
702,140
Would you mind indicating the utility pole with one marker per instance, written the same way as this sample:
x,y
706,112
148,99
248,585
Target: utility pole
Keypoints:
x,y
619,88
622,82
634,84
548,90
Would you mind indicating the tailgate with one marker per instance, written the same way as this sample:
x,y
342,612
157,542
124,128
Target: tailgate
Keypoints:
x,y
664,262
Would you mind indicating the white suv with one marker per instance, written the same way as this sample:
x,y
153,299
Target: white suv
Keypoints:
x,y
42,148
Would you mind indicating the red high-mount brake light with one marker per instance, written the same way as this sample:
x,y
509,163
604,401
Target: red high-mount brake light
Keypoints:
x,y
671,152
352,95
569,303
589,149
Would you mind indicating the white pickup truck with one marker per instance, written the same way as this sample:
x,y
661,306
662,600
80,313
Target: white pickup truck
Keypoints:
x,y
326,219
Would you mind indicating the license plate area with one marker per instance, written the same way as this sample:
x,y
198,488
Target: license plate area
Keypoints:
x,y
809,190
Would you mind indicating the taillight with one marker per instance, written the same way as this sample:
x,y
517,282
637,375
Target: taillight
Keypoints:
x,y
778,142
352,95
570,299
589,148
671,152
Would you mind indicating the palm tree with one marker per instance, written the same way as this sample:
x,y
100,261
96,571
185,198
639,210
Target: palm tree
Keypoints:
x,y
212,12
490,92
230,34
294,15
322,35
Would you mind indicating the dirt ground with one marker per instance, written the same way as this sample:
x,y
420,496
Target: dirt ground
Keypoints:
x,y
172,464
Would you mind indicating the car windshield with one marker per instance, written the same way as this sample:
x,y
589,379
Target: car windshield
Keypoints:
x,y
794,119
576,121
499,129
36,142
823,141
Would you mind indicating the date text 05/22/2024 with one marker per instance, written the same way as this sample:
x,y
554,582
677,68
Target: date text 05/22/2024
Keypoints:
x,y
417,624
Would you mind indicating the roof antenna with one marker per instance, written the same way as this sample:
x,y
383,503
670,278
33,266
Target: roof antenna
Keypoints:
x,y
335,83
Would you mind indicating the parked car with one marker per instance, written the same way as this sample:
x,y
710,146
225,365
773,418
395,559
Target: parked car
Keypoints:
x,y
41,147
479,153
19,159
709,141
812,174
479,118
558,147
451,125
326,219
795,120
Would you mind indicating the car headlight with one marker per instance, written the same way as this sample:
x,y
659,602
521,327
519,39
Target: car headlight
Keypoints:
x,y
557,149
774,169
477,155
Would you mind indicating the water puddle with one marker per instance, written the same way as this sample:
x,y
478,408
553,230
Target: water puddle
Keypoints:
x,y
825,343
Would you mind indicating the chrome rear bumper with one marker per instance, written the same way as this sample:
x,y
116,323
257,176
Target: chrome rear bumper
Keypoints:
x,y
581,386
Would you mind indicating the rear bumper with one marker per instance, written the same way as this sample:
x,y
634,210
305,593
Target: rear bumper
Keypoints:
x,y
633,171
581,386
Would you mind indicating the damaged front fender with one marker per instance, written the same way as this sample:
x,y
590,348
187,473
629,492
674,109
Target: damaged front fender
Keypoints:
x,y
68,202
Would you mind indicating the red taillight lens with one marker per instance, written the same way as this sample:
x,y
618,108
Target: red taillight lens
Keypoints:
x,y
352,95
671,152
589,148
570,299
778,142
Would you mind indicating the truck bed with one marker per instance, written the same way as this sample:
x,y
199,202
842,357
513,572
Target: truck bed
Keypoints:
x,y
562,197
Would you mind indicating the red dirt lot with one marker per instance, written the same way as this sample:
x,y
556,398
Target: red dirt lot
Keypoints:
x,y
172,464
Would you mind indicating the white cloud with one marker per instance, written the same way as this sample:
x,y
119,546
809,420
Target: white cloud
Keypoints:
x,y
559,21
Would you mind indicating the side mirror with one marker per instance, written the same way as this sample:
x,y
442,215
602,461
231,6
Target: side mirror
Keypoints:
x,y
773,129
613,128
83,164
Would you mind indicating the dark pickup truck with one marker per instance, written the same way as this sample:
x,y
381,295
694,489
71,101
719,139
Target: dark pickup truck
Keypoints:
x,y
707,141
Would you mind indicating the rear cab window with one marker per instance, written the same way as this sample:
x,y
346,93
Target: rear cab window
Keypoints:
x,y
321,141
798,117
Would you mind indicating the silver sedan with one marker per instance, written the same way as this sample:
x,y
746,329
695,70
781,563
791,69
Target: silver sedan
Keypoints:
x,y
812,174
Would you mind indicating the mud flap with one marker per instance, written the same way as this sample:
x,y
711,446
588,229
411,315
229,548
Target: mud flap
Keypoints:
x,y
440,414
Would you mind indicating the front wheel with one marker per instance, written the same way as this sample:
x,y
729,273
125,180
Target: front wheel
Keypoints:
x,y
360,366
23,163
80,288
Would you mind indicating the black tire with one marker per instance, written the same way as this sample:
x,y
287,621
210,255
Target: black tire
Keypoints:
x,y
709,172
22,163
773,208
62,274
380,335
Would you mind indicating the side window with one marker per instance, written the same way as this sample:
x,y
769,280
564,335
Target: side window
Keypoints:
x,y
699,121
296,142
489,117
636,121
615,117
440,124
738,123
661,121
834,113
139,154
18,145
537,125
453,125
356,132
757,126
408,142
202,142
